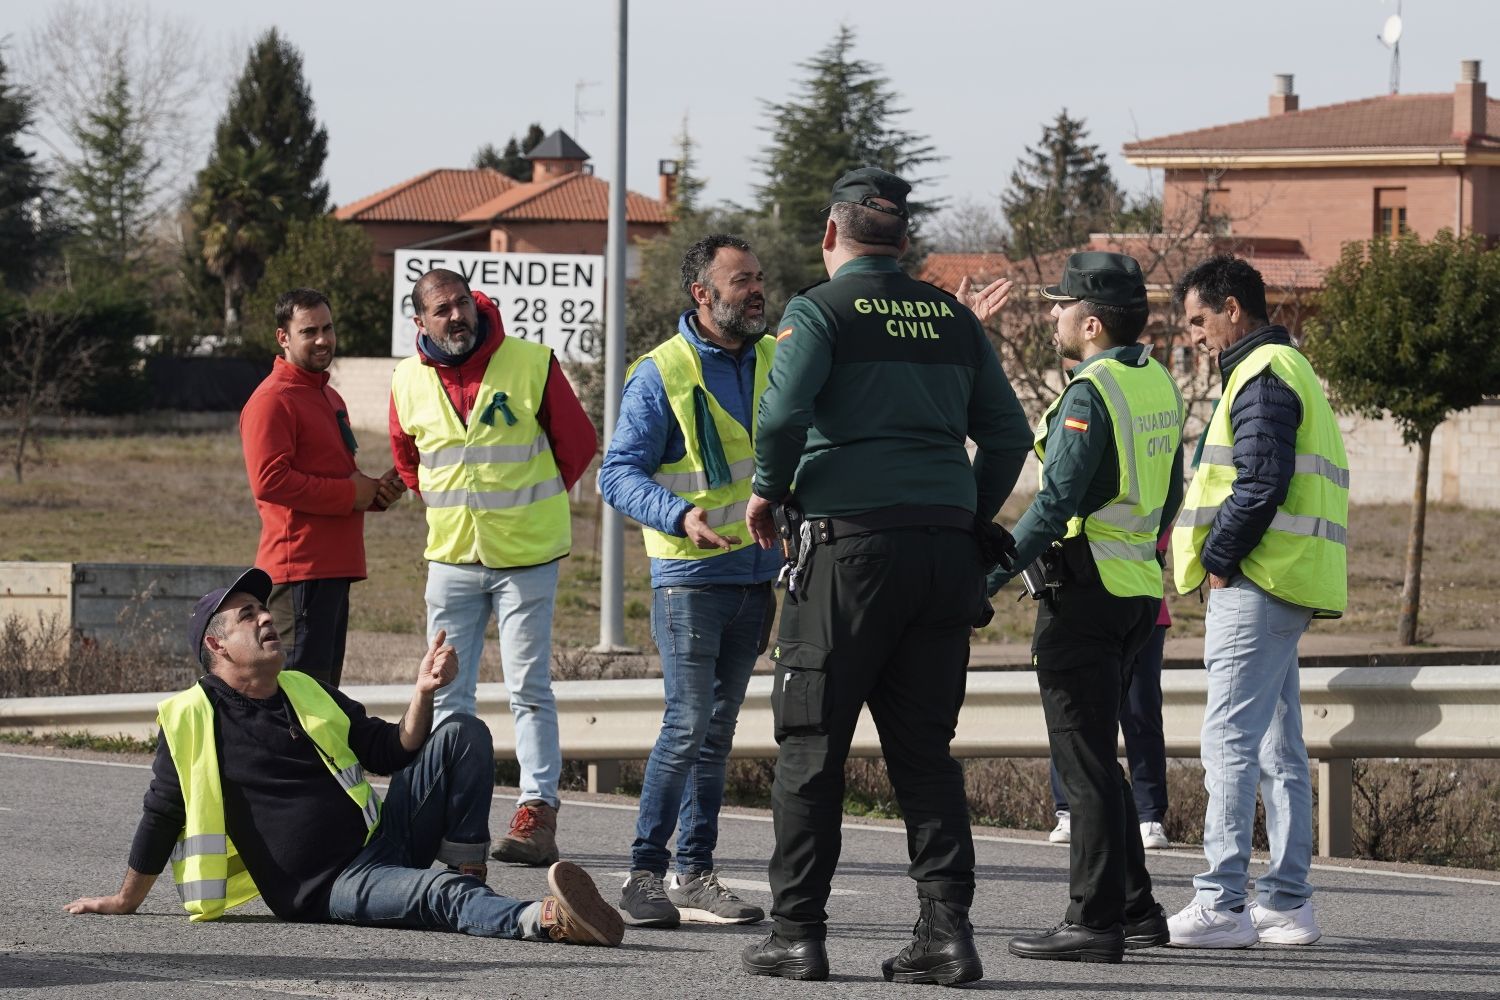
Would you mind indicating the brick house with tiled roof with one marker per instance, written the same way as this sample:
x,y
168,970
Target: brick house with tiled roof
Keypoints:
x,y
564,209
1288,190
1329,175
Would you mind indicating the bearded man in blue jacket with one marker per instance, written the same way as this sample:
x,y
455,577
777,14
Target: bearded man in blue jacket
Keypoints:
x,y
680,463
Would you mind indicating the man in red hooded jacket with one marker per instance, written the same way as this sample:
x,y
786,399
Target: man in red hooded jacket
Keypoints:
x,y
489,432
299,456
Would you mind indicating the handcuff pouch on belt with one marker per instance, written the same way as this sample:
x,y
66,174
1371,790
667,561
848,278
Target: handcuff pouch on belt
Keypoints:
x,y
1069,561
795,535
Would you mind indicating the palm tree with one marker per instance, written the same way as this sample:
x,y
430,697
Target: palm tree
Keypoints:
x,y
239,215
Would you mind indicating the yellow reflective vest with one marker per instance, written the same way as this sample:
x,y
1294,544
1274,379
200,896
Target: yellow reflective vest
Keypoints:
x,y
1145,411
682,376
1302,558
209,872
492,488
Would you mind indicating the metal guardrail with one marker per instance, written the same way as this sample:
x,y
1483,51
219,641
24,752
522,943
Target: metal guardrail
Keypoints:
x,y
1348,713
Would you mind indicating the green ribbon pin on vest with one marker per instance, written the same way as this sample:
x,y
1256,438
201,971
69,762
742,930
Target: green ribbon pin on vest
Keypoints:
x,y
498,403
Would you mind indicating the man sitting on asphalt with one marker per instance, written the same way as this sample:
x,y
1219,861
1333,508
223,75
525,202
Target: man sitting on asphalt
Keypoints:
x,y
259,788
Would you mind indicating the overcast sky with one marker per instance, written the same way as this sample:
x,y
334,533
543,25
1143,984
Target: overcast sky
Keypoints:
x,y
404,87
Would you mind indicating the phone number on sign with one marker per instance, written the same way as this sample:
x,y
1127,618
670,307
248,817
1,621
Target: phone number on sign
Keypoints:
x,y
529,318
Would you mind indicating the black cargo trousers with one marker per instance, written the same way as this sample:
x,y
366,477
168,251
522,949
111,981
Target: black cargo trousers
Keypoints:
x,y
882,619
1085,642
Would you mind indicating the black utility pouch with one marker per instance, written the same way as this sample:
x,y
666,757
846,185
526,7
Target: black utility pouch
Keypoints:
x,y
1078,561
799,695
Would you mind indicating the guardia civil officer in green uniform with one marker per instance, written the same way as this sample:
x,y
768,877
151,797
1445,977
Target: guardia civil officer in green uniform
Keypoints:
x,y
1111,481
878,380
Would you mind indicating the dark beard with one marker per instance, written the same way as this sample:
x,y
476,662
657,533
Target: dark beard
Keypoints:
x,y
732,322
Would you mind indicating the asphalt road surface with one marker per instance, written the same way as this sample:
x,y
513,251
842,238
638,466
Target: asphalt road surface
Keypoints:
x,y
66,824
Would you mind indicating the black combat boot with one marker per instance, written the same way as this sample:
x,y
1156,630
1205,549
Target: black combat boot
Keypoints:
x,y
942,948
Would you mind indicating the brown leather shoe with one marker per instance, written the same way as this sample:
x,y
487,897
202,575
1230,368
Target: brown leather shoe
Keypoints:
x,y
575,913
532,839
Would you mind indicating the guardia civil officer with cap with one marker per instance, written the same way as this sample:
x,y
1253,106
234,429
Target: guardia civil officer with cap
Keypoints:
x,y
1111,481
877,381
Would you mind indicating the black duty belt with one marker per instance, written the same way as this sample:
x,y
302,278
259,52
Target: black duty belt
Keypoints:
x,y
827,529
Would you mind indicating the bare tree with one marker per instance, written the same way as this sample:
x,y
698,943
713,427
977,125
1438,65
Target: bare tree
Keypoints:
x,y
47,362
73,58
969,225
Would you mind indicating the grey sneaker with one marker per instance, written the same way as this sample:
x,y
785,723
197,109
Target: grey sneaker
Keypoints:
x,y
702,897
644,902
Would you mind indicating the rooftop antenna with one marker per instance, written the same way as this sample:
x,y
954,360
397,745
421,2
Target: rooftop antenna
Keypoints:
x,y
1390,37
579,111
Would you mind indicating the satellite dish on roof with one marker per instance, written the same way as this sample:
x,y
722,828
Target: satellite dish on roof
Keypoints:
x,y
1391,33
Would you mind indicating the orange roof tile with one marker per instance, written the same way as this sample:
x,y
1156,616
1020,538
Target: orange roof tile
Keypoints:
x,y
434,196
1391,121
570,198
1282,262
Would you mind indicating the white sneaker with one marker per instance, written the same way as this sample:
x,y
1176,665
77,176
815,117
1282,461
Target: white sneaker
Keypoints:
x,y
1154,835
1297,926
1196,926
1062,833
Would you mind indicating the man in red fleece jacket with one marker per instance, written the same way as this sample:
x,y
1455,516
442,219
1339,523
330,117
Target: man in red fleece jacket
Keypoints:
x,y
299,455
487,429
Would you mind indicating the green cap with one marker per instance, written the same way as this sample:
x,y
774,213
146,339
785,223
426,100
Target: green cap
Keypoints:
x,y
1111,279
864,185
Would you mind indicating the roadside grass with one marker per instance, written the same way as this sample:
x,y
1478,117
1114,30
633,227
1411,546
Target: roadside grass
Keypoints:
x,y
119,743
183,498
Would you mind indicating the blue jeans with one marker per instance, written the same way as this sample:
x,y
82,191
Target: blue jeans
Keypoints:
x,y
708,637
1252,737
437,808
460,600
1145,744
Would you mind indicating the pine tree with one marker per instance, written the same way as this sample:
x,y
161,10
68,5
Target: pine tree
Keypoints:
x,y
1060,191
271,108
112,185
689,186
512,162
23,240
843,117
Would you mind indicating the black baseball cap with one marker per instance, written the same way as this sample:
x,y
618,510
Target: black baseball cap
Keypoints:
x,y
868,186
1111,279
253,581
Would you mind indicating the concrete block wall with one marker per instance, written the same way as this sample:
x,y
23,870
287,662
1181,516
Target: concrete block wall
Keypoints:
x,y
365,384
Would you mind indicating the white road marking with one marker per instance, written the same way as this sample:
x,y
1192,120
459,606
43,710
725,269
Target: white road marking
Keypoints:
x,y
987,838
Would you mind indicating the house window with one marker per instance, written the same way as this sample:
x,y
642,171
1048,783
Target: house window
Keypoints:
x,y
1390,211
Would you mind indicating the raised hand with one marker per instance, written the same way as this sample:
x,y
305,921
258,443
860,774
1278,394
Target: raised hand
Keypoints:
x,y
439,665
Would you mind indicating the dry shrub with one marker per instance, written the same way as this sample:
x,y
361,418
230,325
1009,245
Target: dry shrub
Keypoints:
x,y
45,659
1436,812
578,663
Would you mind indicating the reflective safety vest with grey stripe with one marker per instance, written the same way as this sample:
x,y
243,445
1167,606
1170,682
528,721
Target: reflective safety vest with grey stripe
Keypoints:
x,y
491,485
1145,412
1303,556
724,504
209,872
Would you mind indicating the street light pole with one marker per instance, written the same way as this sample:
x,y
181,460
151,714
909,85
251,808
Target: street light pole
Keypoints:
x,y
612,544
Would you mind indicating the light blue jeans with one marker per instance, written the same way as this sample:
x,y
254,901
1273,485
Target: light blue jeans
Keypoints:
x,y
460,599
708,636
1252,737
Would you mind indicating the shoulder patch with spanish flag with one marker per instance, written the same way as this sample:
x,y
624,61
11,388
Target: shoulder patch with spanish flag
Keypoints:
x,y
1074,424
783,333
